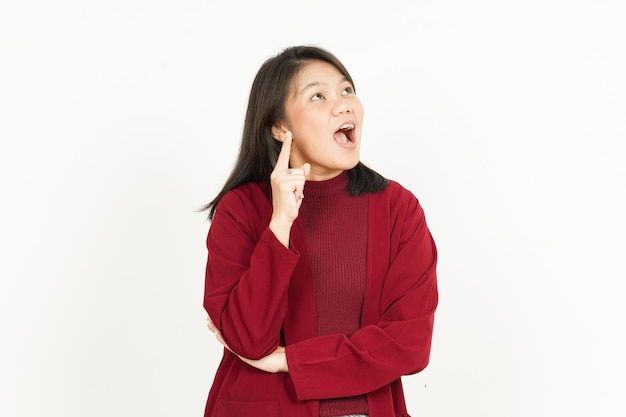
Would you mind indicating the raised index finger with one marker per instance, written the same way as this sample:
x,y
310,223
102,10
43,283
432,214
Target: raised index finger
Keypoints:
x,y
283,157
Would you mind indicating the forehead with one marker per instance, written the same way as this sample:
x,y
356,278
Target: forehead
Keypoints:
x,y
316,73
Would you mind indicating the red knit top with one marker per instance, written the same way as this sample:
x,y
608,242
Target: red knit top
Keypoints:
x,y
335,226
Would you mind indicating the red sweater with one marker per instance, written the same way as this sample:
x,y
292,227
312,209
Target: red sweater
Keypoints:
x,y
261,295
337,246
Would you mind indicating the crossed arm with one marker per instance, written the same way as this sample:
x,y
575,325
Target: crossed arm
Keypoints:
x,y
273,363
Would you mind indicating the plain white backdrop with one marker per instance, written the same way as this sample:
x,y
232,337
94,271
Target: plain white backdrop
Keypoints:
x,y
119,119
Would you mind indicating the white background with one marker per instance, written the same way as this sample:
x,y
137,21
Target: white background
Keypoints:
x,y
120,118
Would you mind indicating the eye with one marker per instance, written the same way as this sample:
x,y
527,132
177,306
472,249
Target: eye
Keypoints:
x,y
317,97
347,90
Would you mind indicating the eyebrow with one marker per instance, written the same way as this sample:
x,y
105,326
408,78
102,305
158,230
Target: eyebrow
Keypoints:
x,y
317,83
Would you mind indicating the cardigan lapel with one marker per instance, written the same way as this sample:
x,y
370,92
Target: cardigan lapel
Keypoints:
x,y
377,256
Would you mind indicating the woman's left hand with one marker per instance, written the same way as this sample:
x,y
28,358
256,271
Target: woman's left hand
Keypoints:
x,y
273,363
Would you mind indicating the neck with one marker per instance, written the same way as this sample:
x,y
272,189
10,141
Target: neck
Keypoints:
x,y
323,175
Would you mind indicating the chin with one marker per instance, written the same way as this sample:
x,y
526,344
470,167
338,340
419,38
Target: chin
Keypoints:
x,y
351,165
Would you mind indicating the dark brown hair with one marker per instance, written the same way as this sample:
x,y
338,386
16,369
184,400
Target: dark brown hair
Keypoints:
x,y
259,151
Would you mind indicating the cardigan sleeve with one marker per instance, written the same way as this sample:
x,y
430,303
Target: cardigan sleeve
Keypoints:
x,y
247,278
334,366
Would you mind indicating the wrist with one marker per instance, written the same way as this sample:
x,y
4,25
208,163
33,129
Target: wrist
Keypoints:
x,y
281,229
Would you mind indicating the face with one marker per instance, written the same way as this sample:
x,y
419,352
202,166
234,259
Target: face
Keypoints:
x,y
324,116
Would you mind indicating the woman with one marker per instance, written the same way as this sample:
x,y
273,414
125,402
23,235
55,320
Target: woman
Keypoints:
x,y
323,302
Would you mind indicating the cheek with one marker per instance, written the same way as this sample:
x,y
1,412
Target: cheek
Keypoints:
x,y
300,148
303,122
297,125
358,108
304,130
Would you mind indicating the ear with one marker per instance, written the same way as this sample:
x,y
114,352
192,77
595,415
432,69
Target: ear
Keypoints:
x,y
278,131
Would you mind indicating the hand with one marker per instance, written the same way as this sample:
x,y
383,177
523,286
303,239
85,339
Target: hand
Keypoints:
x,y
273,363
287,192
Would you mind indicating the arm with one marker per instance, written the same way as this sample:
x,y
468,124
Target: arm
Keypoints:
x,y
397,344
273,363
247,278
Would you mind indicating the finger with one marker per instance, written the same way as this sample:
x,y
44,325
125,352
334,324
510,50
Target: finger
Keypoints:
x,y
282,163
299,190
220,339
306,168
211,326
295,174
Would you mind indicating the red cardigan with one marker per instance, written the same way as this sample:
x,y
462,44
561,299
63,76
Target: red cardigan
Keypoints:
x,y
261,295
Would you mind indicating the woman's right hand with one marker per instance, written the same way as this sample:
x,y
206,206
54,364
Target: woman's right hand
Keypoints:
x,y
273,363
287,192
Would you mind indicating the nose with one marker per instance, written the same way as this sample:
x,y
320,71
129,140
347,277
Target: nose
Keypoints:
x,y
342,106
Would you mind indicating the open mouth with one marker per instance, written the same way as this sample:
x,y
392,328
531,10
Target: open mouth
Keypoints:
x,y
345,134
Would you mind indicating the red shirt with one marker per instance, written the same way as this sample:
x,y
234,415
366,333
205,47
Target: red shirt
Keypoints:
x,y
261,295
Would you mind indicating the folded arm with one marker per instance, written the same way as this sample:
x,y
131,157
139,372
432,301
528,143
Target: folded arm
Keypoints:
x,y
247,279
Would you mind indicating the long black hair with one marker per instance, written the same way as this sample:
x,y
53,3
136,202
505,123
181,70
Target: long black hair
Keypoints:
x,y
259,151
